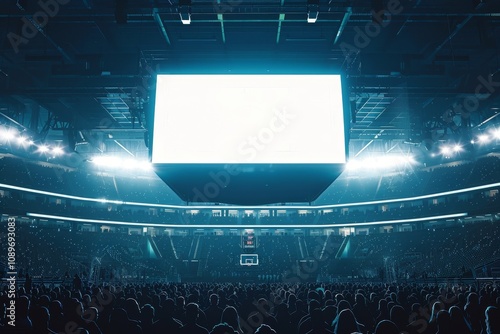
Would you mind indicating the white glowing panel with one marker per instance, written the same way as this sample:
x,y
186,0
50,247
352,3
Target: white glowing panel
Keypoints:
x,y
248,119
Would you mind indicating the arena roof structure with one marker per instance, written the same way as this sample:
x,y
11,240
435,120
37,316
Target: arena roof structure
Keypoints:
x,y
420,72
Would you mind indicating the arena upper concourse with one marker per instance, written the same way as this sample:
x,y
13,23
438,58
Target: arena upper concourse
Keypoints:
x,y
229,166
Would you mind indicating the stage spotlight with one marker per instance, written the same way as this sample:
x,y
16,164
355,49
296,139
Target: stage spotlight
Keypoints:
x,y
353,165
57,150
483,138
496,133
146,166
382,162
457,148
7,134
185,11
312,10
136,164
185,18
129,163
312,16
445,150
121,163
378,163
43,148
108,161
21,140
10,134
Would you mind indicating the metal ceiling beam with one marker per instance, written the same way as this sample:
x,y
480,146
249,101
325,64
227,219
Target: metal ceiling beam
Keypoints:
x,y
364,148
249,9
220,17
343,24
49,124
158,20
281,19
123,147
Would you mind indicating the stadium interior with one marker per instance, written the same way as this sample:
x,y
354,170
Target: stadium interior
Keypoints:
x,y
401,234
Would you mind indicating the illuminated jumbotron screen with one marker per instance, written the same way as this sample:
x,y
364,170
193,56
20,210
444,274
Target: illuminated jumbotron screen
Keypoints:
x,y
249,138
248,119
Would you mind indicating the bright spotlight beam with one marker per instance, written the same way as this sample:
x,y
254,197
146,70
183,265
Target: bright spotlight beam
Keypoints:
x,y
43,148
483,138
445,150
7,134
57,150
121,163
382,162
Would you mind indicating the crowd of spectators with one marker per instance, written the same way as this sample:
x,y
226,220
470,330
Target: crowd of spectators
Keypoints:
x,y
50,253
276,302
443,252
264,308
434,252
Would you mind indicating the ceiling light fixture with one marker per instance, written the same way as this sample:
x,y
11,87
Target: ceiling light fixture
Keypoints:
x,y
312,10
185,11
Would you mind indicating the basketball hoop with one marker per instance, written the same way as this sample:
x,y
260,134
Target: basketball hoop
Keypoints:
x,y
249,260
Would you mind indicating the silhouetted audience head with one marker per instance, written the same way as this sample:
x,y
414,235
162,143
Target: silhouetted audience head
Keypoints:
x,y
458,322
132,308
343,305
492,320
147,312
22,306
118,320
399,317
386,327
42,312
168,307
214,299
329,313
313,304
223,328
192,312
443,321
360,299
40,319
265,329
346,323
317,320
231,317
180,302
